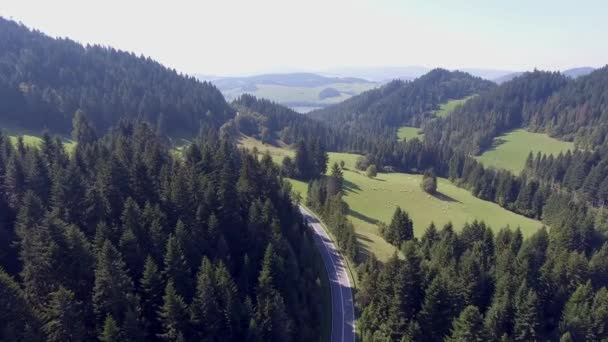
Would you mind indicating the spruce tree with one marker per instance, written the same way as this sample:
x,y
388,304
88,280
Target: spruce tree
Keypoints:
x,y
468,327
113,290
176,267
152,296
110,331
173,315
63,317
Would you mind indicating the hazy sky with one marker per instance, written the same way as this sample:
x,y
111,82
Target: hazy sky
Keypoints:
x,y
249,36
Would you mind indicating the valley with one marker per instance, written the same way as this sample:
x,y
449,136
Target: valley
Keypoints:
x,y
143,201
373,200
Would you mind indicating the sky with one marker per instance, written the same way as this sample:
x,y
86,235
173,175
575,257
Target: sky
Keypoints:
x,y
236,37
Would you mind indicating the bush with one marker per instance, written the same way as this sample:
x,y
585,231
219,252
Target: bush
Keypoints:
x,y
362,163
429,183
371,171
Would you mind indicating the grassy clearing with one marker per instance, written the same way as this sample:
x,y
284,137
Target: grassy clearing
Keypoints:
x,y
511,149
373,200
34,141
409,133
446,108
276,152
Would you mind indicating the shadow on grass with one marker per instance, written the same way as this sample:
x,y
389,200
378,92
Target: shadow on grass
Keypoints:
x,y
363,252
495,143
362,217
350,186
445,198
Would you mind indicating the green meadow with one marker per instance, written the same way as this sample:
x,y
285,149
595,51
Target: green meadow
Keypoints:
x,y
409,133
446,108
374,200
34,141
511,150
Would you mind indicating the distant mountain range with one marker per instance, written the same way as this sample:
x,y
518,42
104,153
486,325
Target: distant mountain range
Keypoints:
x,y
287,80
301,91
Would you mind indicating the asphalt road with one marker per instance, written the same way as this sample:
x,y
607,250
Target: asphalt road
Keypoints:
x,y
342,304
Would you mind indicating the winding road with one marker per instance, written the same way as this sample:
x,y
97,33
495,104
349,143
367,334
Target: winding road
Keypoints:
x,y
342,304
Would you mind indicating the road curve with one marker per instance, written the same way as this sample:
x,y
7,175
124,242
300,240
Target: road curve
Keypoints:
x,y
342,303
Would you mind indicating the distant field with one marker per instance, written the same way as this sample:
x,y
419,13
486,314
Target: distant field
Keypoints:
x,y
512,149
446,108
371,200
409,133
305,97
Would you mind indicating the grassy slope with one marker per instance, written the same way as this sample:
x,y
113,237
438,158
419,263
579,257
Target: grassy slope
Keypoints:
x,y
34,141
446,108
511,149
409,133
371,200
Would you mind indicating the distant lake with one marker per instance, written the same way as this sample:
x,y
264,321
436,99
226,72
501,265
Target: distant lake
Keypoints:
x,y
304,109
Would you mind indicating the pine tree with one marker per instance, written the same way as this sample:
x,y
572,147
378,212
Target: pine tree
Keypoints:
x,y
599,312
577,319
468,327
63,320
16,314
270,317
111,331
437,310
176,267
152,296
113,290
204,310
527,322
401,228
83,133
173,314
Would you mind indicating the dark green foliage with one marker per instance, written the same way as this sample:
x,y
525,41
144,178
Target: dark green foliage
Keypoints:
x,y
173,315
48,80
120,220
63,320
111,331
486,287
472,126
333,210
400,229
398,103
429,183
311,160
468,327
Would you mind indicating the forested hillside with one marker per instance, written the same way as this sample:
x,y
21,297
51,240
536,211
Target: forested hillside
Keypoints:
x,y
121,241
568,109
472,126
401,103
44,81
270,121
478,286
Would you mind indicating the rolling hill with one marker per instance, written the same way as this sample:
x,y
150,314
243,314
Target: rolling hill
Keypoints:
x,y
44,81
400,103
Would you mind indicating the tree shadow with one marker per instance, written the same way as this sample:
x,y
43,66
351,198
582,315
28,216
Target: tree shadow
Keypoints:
x,y
362,217
363,252
495,143
445,198
350,186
